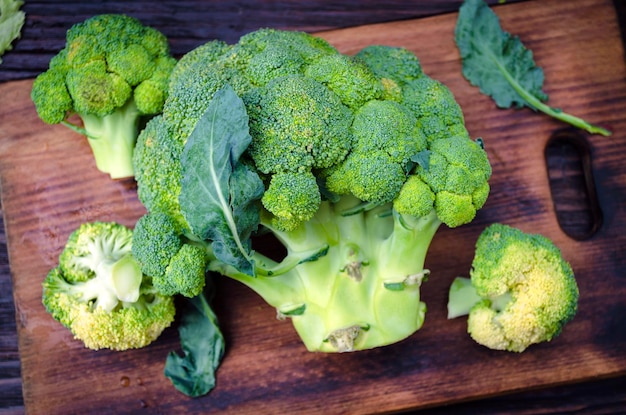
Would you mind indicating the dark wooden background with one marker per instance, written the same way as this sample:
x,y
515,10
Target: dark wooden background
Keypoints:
x,y
190,23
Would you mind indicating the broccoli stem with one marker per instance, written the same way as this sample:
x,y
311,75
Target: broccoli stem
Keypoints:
x,y
112,139
463,296
537,104
364,292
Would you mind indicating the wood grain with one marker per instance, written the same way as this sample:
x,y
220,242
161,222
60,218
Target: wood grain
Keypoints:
x,y
190,23
48,181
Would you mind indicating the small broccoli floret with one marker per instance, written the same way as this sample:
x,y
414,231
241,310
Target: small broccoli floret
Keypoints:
x,y
298,46
458,172
186,272
521,291
292,198
385,137
438,113
113,72
416,198
397,64
99,292
371,176
395,67
174,263
296,125
201,55
349,78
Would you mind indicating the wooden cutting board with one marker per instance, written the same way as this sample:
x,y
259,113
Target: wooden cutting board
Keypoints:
x,y
50,185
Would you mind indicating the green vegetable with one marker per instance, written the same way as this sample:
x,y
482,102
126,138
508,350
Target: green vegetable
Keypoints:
x,y
521,291
352,163
212,174
11,23
175,263
99,292
202,343
113,73
502,67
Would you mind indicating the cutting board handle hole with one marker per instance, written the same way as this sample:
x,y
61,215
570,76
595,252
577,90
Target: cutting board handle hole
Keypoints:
x,y
568,160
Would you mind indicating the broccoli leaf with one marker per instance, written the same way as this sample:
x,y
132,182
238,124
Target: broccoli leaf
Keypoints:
x,y
502,67
203,346
217,191
11,23
422,159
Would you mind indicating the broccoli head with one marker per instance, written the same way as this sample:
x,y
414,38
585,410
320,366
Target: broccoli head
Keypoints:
x,y
521,291
361,159
100,294
113,72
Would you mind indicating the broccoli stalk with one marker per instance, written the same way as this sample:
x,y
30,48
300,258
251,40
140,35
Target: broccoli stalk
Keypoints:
x,y
462,296
112,138
117,281
357,290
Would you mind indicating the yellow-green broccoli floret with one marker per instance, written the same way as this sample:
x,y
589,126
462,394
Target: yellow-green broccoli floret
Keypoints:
x,y
521,290
112,72
416,198
99,292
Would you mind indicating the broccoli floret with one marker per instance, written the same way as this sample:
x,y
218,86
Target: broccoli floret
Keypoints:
x,y
349,78
292,198
393,63
354,181
394,66
100,294
521,291
457,172
200,56
297,124
175,264
113,73
385,138
437,112
157,167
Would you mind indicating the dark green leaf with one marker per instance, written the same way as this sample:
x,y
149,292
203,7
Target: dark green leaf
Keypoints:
x,y
422,159
202,343
501,66
492,58
217,191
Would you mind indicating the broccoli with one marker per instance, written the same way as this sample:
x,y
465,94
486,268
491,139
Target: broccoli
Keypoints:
x,y
357,171
176,265
113,72
521,291
99,293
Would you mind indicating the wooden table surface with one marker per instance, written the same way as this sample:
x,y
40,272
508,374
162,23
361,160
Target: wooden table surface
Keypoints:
x,y
190,23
